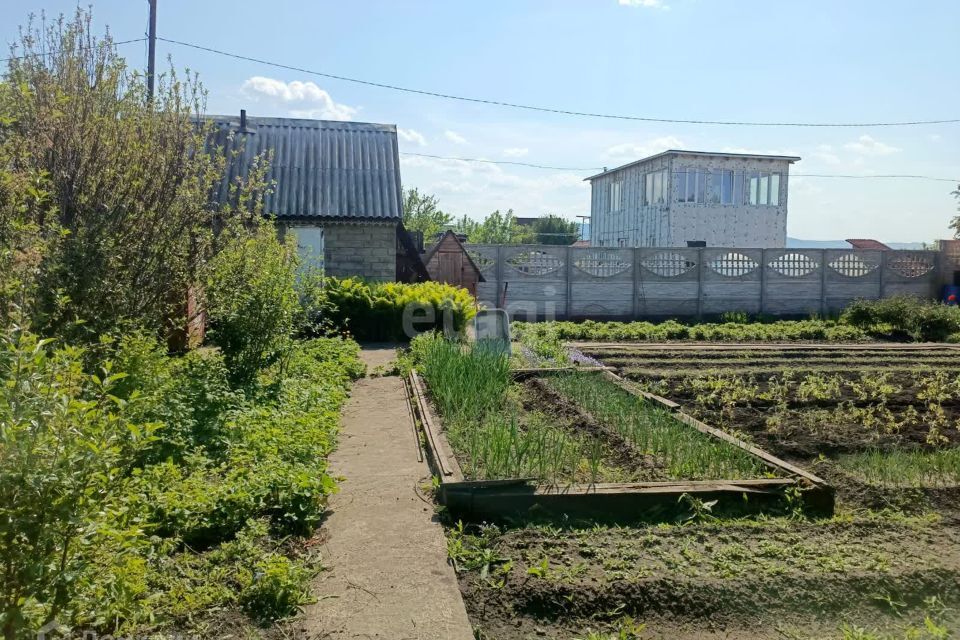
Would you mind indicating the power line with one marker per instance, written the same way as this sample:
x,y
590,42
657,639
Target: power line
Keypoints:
x,y
568,112
510,162
792,175
906,176
53,53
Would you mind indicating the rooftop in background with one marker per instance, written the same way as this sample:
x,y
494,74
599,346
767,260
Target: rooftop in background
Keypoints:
x,y
321,168
866,243
683,152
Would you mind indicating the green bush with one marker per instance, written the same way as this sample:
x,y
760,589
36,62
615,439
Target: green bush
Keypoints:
x,y
65,442
252,300
157,541
274,460
376,311
904,318
187,397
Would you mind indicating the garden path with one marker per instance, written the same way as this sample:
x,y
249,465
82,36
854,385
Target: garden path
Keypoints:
x,y
385,569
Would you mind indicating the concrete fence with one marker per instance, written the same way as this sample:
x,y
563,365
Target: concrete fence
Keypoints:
x,y
547,281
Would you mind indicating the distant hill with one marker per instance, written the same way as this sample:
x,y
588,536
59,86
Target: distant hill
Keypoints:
x,y
798,243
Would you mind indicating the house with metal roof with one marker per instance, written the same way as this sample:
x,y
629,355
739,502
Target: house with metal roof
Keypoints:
x,y
692,198
335,187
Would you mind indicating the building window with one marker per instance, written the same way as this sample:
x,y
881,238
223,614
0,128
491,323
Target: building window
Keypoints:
x,y
616,195
654,187
722,187
691,185
763,188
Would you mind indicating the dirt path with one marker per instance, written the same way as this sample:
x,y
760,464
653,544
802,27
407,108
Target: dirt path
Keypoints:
x,y
386,571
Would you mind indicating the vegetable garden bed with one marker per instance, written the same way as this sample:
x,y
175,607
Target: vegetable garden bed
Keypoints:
x,y
885,566
871,417
588,444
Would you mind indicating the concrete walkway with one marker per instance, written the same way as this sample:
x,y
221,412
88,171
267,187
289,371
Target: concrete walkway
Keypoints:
x,y
386,573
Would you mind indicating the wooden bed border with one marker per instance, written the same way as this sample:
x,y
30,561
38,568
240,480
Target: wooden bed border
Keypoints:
x,y
496,500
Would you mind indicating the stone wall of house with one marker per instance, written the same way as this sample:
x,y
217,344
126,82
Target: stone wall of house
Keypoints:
x,y
365,249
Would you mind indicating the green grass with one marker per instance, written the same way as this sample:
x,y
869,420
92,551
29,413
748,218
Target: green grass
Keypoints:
x,y
905,468
684,453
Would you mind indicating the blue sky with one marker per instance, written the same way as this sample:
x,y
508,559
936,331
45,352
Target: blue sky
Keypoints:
x,y
815,61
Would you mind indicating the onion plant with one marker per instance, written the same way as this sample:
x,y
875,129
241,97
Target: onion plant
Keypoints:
x,y
901,468
682,451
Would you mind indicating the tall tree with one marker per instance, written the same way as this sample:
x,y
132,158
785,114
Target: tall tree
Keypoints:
x,y
421,212
955,223
552,229
120,198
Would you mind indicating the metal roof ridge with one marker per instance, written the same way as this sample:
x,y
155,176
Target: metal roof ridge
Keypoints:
x,y
695,153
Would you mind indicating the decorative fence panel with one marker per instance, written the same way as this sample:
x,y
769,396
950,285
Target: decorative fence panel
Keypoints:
x,y
547,281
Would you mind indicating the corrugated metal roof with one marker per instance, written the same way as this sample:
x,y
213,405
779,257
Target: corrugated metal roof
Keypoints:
x,y
867,243
683,152
320,168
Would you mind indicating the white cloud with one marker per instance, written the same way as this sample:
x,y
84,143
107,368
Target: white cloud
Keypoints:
x,y
636,151
868,146
463,186
454,137
826,154
646,4
300,99
516,152
412,135
759,152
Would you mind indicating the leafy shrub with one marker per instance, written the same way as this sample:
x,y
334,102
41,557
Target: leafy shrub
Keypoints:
x,y
252,301
904,318
186,397
159,540
103,195
66,439
394,310
274,459
316,310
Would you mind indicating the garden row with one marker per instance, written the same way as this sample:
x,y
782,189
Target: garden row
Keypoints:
x,y
888,417
898,319
877,420
579,442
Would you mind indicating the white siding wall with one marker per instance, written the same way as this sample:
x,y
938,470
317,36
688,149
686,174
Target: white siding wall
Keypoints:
x,y
673,223
636,224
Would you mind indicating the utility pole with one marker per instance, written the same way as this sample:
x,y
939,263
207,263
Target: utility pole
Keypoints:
x,y
152,48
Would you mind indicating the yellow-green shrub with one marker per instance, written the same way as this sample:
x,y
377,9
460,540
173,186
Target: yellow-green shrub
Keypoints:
x,y
376,311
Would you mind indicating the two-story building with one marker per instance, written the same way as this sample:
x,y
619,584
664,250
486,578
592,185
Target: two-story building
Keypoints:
x,y
692,198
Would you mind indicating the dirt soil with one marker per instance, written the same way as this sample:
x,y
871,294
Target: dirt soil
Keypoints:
x,y
741,580
888,561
